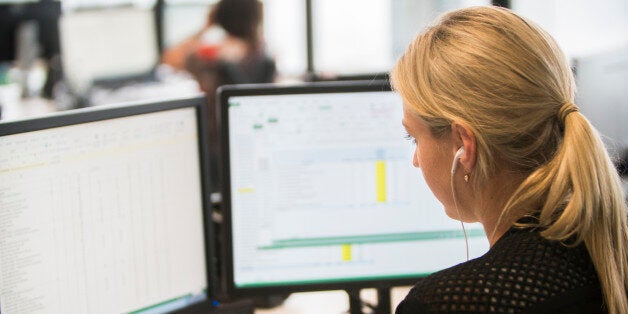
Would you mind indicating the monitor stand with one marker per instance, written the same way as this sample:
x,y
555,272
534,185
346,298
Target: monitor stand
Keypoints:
x,y
383,301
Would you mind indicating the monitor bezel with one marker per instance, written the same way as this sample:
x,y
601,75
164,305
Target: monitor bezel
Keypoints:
x,y
94,114
223,95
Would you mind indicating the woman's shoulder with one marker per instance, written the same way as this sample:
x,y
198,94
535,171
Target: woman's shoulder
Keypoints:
x,y
521,271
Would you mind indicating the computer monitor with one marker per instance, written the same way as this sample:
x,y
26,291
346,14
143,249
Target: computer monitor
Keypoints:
x,y
104,210
108,44
319,192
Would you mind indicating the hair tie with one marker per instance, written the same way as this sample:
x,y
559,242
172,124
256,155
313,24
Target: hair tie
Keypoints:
x,y
565,110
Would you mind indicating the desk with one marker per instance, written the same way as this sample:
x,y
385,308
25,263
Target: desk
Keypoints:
x,y
26,108
329,302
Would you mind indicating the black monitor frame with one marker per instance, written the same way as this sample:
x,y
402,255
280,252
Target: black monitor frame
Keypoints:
x,y
224,93
93,114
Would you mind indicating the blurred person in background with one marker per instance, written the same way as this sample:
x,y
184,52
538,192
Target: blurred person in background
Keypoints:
x,y
229,49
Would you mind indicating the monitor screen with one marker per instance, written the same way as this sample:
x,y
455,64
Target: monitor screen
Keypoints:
x,y
102,211
107,43
320,192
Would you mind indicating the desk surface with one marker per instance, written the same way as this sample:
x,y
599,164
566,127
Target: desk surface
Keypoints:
x,y
332,302
27,108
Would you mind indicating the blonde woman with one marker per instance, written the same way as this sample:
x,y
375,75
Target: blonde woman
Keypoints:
x,y
489,101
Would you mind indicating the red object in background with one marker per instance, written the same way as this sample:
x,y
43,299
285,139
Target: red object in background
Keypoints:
x,y
208,52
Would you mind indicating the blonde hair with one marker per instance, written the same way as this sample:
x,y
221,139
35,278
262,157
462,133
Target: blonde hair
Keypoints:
x,y
508,81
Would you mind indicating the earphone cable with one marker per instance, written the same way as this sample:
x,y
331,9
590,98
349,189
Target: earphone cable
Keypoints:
x,y
464,231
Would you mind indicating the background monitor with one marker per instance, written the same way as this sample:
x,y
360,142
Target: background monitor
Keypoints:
x,y
108,43
104,211
320,193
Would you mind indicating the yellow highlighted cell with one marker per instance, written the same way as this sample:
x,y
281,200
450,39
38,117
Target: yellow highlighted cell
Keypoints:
x,y
346,252
380,178
246,190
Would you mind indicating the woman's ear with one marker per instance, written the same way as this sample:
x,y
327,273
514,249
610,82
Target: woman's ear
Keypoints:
x,y
463,137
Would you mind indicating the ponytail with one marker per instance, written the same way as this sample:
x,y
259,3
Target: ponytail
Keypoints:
x,y
582,201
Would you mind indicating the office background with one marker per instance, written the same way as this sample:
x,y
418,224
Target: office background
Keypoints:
x,y
381,29
354,37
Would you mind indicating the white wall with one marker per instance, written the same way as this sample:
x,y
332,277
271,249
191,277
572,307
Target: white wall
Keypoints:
x,y
594,36
581,27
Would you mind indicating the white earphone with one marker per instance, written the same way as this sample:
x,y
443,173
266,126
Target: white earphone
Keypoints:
x,y
456,159
454,165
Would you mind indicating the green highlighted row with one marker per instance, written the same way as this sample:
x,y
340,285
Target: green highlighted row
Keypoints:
x,y
159,304
142,310
373,238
